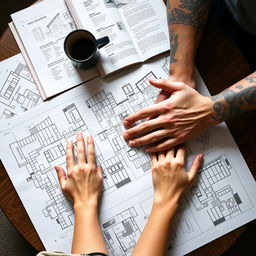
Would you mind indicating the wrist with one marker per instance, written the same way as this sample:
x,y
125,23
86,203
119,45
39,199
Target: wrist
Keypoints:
x,y
167,208
166,204
85,208
185,77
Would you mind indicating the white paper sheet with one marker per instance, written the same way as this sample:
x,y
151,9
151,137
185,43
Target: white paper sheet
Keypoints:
x,y
222,198
137,29
18,91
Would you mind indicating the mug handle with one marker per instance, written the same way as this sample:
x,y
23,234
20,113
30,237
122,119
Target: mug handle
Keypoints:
x,y
101,42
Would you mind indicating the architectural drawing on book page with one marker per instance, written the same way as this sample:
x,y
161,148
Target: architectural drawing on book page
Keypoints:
x,y
42,29
35,143
18,91
137,29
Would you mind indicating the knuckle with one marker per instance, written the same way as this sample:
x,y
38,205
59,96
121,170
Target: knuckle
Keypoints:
x,y
168,163
81,168
80,151
68,146
169,119
144,125
179,163
129,133
153,139
70,174
143,113
138,142
68,157
155,167
91,167
168,106
91,153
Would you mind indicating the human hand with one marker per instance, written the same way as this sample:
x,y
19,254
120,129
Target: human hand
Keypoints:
x,y
170,178
83,181
177,119
164,95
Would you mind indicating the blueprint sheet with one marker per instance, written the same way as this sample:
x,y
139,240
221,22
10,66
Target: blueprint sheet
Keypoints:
x,y
221,199
18,91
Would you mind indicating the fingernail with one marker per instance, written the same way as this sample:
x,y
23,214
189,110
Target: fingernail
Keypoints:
x,y
125,123
201,157
56,168
132,143
79,135
89,138
126,135
156,80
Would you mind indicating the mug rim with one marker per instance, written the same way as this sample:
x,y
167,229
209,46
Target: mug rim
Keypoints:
x,y
65,42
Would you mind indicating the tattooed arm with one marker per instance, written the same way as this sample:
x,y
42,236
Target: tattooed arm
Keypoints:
x,y
235,100
187,113
186,19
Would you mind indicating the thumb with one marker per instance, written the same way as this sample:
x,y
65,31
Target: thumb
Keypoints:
x,y
162,96
61,176
166,85
195,168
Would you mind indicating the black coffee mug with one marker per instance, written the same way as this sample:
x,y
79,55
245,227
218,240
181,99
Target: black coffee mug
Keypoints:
x,y
83,48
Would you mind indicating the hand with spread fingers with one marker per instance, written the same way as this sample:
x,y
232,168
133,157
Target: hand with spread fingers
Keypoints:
x,y
170,180
169,175
83,182
83,185
182,116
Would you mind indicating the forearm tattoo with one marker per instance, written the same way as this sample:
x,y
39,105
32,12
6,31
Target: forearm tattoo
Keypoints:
x,y
189,12
173,45
230,103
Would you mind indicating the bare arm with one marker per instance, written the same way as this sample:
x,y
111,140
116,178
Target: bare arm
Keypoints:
x,y
83,185
87,237
170,181
155,236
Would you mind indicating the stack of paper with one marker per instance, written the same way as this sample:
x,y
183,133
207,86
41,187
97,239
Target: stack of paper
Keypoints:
x,y
221,199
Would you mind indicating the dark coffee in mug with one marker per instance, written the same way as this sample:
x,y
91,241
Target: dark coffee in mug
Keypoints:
x,y
82,49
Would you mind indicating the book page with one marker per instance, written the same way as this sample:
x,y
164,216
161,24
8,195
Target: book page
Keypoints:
x,y
101,17
146,22
42,29
221,199
18,92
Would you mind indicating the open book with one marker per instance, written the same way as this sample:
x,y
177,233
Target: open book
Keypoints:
x,y
40,31
137,29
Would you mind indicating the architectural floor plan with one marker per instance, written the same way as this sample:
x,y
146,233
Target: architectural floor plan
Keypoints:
x,y
34,143
18,91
